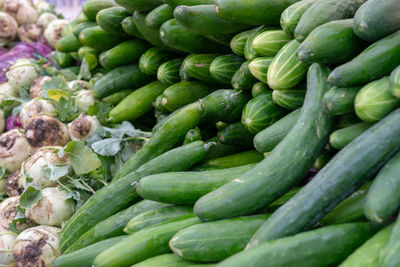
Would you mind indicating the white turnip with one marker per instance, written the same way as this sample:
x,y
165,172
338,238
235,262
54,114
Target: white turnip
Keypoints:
x,y
21,74
36,89
84,99
30,33
22,11
14,185
7,243
36,107
83,127
52,33
14,149
45,18
8,28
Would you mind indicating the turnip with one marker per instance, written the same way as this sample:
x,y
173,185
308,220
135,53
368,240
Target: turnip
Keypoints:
x,y
42,6
84,99
22,11
52,33
45,18
46,131
6,91
8,28
14,185
13,122
36,89
21,74
8,211
36,107
52,209
83,127
14,149
7,243
82,84
30,33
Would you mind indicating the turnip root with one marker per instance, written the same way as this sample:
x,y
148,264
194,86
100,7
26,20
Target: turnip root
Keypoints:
x,y
84,99
8,28
30,33
45,18
14,185
21,74
83,127
7,243
52,33
34,108
21,10
14,149
36,89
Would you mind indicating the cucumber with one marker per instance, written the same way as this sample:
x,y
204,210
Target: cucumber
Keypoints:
x,y
272,177
138,103
220,150
113,225
323,11
117,97
63,60
91,7
157,104
97,38
175,3
292,99
374,101
395,82
198,66
75,56
127,52
144,244
326,246
269,138
110,20
222,68
182,72
290,17
180,38
382,200
389,256
344,136
139,5
183,93
69,28
170,134
254,12
259,68
215,241
235,160
323,158
129,27
167,260
346,120
268,43
83,25
331,43
68,43
259,88
121,194
378,60
285,70
368,254
249,52
261,112
152,59
243,79
168,72
86,50
85,256
81,17
236,134
238,42
377,19
350,167
159,15
152,35
119,79
339,101
192,135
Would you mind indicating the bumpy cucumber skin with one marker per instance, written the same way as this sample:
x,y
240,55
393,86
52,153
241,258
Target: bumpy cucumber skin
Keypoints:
x,y
339,101
342,137
291,100
268,44
159,15
238,42
168,72
290,17
395,82
110,20
222,68
243,79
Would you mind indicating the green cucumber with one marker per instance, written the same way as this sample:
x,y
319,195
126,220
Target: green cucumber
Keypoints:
x,y
175,3
198,66
139,5
81,17
331,43
222,68
127,52
192,135
117,97
170,134
167,260
69,28
290,17
158,106
110,20
183,93
83,25
323,11
220,150
215,241
119,79
323,158
378,60
286,71
389,256
92,7
121,194
236,134
152,35
85,256
144,244
68,43
268,43
339,101
327,246
152,59
272,177
348,169
377,19
259,68
269,138
238,42
344,136
168,72
159,15
235,160
182,72
282,200
249,52
75,56
374,101
185,188
243,79
395,82
254,12
97,38
86,50
138,103
156,216
261,112
259,88
128,25
63,60
292,99
346,120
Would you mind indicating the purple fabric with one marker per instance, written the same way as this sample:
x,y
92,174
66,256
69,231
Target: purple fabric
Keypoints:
x,y
13,122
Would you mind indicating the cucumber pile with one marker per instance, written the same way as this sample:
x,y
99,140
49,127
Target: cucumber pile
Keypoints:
x,y
268,118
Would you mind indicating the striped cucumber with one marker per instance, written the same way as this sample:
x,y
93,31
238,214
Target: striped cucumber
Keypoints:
x,y
151,60
395,82
198,66
159,15
222,68
259,68
249,52
168,72
292,99
268,43
110,20
290,17
344,136
243,79
339,101
238,42
235,160
259,88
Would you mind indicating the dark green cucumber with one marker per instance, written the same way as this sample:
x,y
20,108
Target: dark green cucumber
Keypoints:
x,y
86,50
243,79
185,188
323,158
182,72
261,112
344,136
331,43
152,35
282,200
346,120
254,12
127,52
259,88
236,134
192,135
223,68
83,25
220,150
377,19
270,137
144,244
249,52
272,177
138,103
326,246
183,93
168,260
235,160
158,106
139,5
170,134
85,256
395,82
268,43
292,99
152,59
285,70
128,25
339,101
348,169
119,79
324,11
198,66
259,68
378,60
175,3
168,72
97,38
63,60
92,7
159,15
389,256
215,241
110,20
68,43
290,17
121,194
117,97
238,42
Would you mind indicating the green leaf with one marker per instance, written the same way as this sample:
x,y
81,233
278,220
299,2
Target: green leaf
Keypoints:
x,y
20,217
54,172
30,196
55,83
66,109
107,147
82,158
85,70
101,111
